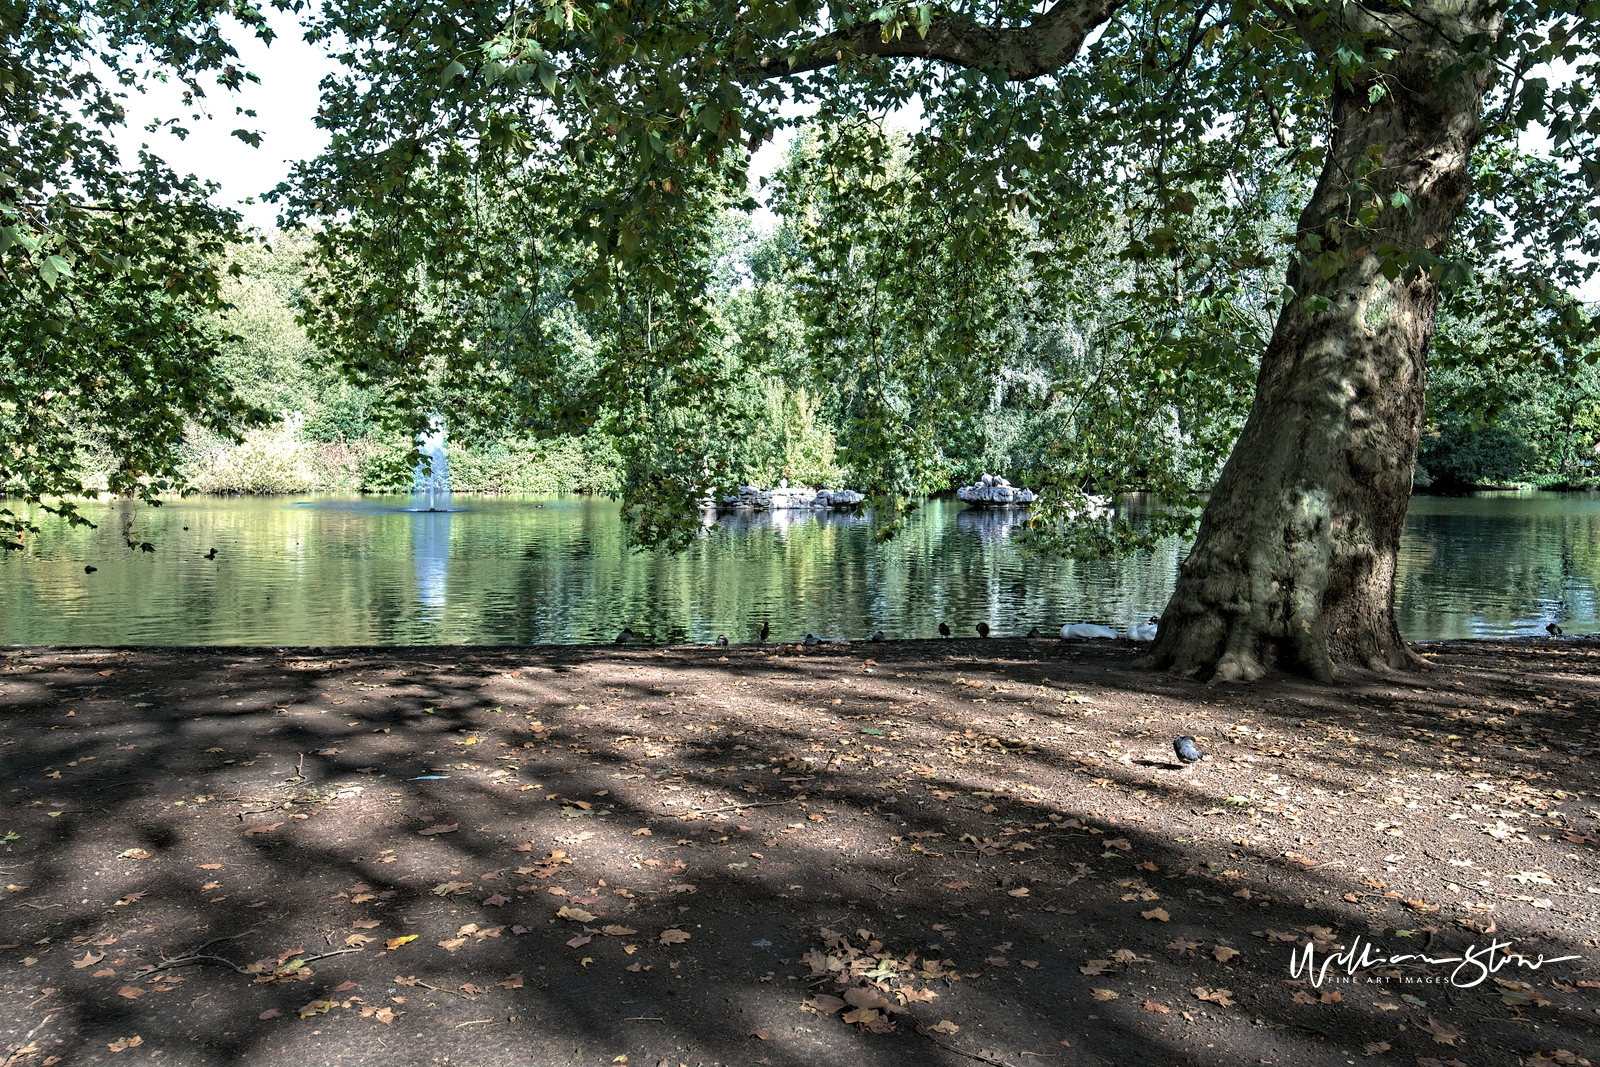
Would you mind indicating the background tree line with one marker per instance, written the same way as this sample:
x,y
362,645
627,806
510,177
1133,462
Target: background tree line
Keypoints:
x,y
1096,370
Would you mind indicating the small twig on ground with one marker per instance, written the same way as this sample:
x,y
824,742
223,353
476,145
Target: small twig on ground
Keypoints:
x,y
472,1022
37,907
17,1049
979,1056
645,1019
441,989
731,807
196,956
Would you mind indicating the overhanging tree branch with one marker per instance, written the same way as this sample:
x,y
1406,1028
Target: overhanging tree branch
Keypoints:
x,y
1026,52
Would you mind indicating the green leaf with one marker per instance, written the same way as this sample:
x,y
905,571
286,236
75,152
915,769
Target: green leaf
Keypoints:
x,y
54,267
451,73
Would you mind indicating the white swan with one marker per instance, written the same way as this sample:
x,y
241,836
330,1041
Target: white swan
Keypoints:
x,y
1144,631
1087,630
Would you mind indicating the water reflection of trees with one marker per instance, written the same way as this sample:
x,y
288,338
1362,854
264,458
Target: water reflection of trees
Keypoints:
x,y
1496,564
328,571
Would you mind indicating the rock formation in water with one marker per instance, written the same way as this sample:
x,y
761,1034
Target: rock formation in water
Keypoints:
x,y
992,490
786,498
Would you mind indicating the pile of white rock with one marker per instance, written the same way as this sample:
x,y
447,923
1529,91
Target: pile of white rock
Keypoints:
x,y
992,489
787,498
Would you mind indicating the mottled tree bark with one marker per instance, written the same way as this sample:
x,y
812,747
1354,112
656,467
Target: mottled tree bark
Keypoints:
x,y
1294,566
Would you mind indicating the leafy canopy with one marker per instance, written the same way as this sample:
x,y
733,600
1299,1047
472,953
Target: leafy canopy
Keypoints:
x,y
109,268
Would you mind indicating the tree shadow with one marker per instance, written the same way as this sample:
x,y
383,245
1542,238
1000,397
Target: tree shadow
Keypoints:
x,y
913,804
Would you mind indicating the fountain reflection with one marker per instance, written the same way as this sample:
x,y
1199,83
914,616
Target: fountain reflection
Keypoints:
x,y
430,555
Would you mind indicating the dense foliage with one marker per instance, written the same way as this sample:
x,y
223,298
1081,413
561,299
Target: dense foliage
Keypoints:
x,y
110,269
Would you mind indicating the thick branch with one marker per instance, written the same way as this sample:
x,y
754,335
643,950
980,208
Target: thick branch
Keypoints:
x,y
1023,52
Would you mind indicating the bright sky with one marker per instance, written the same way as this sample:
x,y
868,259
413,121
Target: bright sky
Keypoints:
x,y
285,103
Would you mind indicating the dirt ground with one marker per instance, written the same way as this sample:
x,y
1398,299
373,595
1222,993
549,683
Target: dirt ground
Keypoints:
x,y
930,853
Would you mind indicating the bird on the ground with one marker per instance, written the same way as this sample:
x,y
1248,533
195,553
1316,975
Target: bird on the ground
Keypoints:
x,y
1087,630
877,637
766,629
944,630
983,629
1033,632
625,636
87,569
1187,750
1143,631
212,554
1553,630
812,641
722,640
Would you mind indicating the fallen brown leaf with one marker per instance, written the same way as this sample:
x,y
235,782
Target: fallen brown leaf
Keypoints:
x,y
442,828
1441,1032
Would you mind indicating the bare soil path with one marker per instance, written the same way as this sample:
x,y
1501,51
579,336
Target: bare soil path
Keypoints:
x,y
920,852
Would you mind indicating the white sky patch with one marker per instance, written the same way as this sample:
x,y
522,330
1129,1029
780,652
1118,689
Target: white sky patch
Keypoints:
x,y
286,106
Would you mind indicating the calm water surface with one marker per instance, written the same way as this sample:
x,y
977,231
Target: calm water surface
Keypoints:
x,y
333,571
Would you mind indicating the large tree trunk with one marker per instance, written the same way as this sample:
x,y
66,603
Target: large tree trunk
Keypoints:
x,y
1295,562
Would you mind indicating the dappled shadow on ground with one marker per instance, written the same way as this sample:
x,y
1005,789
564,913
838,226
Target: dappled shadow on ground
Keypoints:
x,y
976,851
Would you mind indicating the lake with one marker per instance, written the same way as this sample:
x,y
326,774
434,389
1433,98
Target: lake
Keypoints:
x,y
366,571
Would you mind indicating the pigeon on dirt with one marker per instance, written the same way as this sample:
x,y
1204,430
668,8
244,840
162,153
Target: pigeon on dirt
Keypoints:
x,y
766,629
1553,630
1033,632
812,641
983,629
944,630
1187,750
722,640
625,636
877,637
